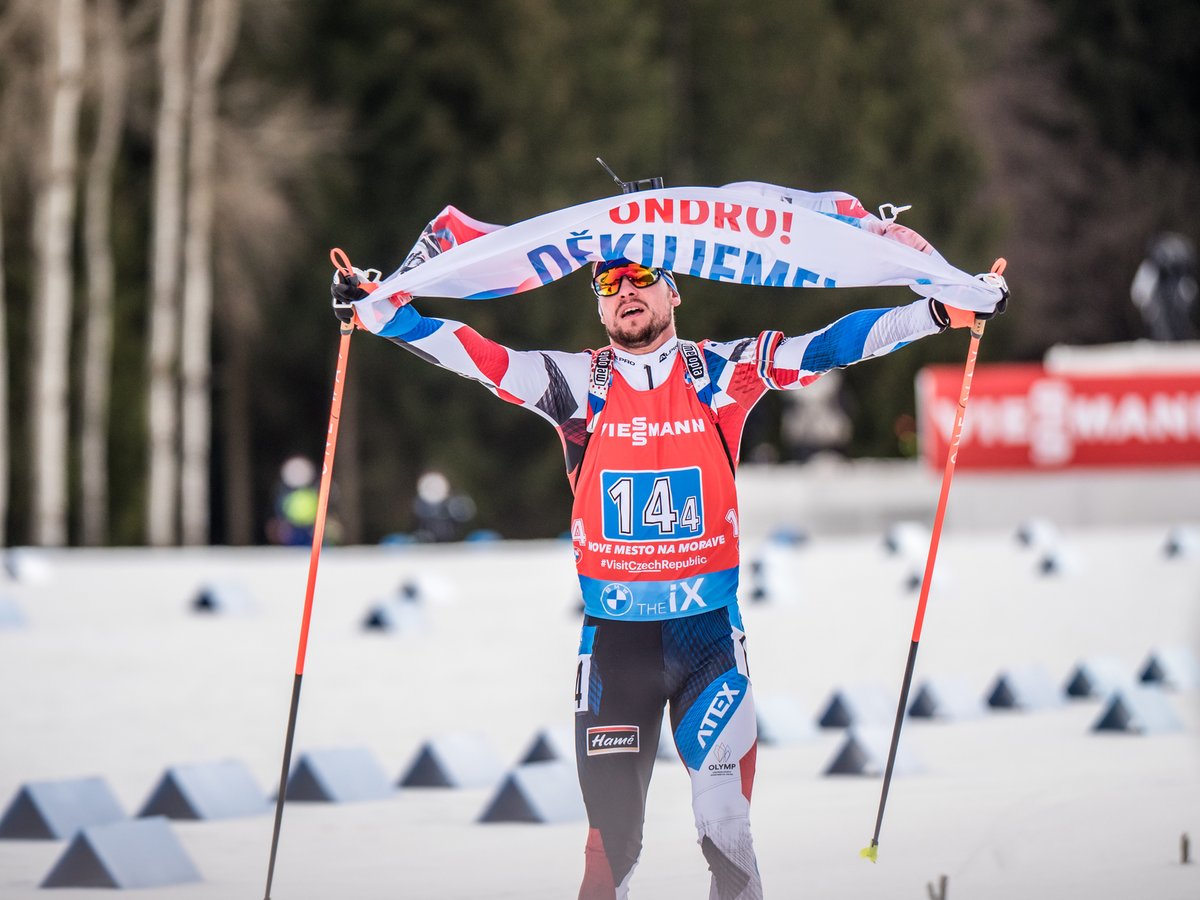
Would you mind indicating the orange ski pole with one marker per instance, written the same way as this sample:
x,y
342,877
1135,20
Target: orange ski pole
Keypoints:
x,y
872,852
342,264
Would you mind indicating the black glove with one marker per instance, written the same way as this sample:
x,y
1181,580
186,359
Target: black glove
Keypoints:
x,y
995,279
346,289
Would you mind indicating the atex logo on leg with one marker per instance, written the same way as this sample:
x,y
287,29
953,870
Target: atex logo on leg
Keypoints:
x,y
603,739
723,702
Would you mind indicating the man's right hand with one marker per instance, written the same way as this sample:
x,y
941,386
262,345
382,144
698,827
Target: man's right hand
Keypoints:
x,y
346,289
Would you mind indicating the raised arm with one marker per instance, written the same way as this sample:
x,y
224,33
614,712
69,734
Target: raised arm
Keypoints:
x,y
551,383
792,362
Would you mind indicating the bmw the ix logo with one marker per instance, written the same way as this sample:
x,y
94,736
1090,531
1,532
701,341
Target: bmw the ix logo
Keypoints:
x,y
617,599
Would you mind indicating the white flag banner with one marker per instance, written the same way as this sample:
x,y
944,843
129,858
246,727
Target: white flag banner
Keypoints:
x,y
744,233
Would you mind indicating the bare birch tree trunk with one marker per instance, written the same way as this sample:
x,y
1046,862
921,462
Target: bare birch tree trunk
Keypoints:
x,y
98,329
54,225
218,30
15,154
162,496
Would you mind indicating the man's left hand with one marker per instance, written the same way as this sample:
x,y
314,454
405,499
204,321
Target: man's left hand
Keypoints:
x,y
953,317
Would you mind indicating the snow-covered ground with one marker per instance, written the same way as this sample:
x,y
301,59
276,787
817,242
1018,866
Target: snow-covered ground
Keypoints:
x,y
114,675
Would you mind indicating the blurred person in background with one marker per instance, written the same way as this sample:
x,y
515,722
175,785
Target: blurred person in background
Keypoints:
x,y
1164,289
295,508
440,513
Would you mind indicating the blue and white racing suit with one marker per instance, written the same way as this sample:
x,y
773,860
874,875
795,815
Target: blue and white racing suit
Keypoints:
x,y
662,626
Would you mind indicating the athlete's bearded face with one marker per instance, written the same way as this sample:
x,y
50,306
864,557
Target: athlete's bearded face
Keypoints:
x,y
640,320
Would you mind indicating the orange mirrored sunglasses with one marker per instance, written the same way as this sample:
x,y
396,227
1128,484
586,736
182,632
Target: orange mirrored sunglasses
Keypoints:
x,y
608,282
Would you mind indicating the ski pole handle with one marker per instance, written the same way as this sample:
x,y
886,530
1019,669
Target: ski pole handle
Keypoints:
x,y
341,262
364,280
997,269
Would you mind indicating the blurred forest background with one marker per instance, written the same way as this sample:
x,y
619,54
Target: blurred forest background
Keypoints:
x,y
174,172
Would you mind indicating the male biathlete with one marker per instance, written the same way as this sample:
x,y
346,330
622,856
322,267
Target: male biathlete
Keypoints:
x,y
651,426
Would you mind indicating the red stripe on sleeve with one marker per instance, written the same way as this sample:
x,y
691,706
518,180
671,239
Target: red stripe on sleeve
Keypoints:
x,y
489,357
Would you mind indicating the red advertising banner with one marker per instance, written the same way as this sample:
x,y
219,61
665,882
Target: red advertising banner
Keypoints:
x,y
1024,417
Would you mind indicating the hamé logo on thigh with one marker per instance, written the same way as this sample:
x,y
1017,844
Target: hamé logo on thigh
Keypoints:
x,y
602,739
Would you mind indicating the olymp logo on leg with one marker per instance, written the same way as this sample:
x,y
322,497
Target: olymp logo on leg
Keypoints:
x,y
612,739
721,766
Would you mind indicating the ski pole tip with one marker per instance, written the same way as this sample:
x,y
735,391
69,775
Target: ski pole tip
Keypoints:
x,y
871,853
